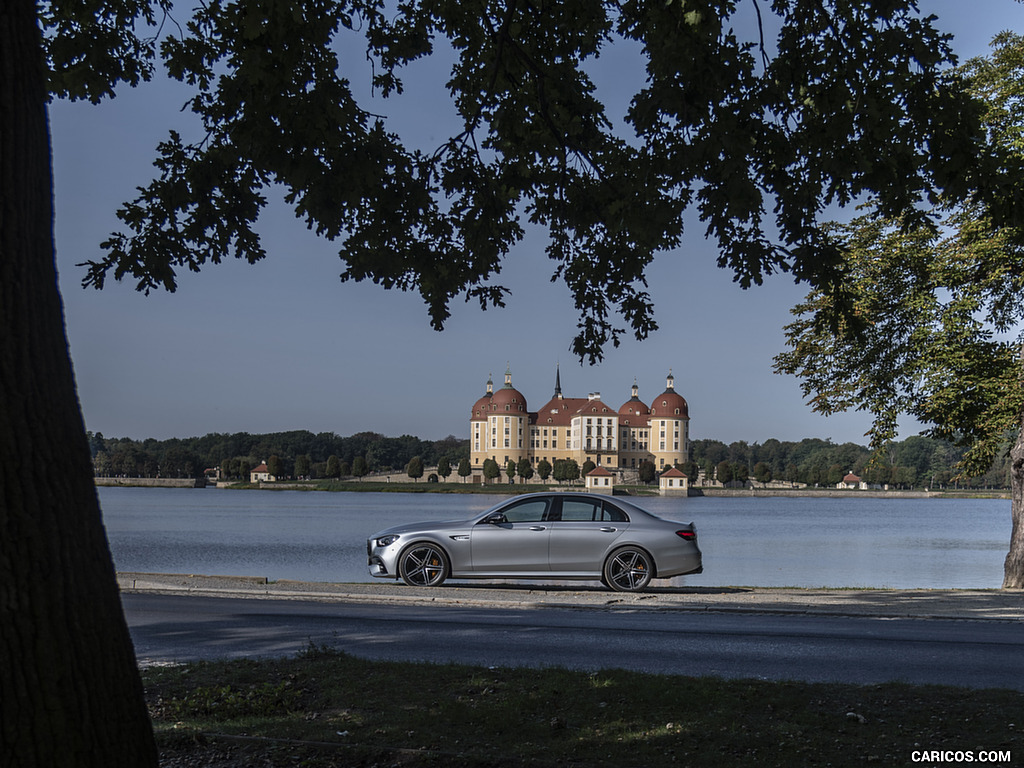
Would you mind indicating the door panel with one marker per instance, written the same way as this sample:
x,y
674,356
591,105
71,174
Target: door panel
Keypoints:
x,y
580,547
518,543
581,538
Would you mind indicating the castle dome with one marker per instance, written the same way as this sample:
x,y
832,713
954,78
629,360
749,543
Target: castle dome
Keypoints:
x,y
480,408
634,406
670,403
483,405
508,398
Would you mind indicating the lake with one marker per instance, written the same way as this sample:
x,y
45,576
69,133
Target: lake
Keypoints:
x,y
749,541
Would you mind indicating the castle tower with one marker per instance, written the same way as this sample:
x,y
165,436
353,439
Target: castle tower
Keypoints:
x,y
634,431
670,427
499,426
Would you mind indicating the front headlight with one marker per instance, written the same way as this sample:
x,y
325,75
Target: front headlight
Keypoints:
x,y
386,541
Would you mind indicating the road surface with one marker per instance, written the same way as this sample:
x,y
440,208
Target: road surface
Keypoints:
x,y
814,648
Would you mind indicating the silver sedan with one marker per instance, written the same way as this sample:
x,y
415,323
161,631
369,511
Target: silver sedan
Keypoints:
x,y
541,536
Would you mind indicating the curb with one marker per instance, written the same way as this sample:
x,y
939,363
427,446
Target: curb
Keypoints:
x,y
968,605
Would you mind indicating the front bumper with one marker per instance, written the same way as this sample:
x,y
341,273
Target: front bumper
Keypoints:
x,y
381,561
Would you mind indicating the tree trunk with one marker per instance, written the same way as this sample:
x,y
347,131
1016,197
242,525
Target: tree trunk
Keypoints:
x,y
1013,568
69,686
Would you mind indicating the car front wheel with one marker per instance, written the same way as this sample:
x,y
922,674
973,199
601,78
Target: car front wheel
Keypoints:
x,y
628,570
423,565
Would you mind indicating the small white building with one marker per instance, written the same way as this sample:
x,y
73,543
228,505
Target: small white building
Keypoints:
x,y
261,474
673,482
851,482
600,480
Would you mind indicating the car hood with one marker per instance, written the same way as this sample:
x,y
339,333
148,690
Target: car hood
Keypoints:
x,y
432,525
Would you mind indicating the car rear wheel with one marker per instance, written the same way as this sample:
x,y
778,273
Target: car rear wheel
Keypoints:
x,y
628,570
423,565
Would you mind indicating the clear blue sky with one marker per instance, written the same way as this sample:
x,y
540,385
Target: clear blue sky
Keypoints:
x,y
285,345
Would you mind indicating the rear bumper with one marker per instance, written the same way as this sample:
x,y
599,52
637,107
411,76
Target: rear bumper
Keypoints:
x,y
686,563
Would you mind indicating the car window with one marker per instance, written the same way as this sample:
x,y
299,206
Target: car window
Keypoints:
x,y
613,514
529,511
579,509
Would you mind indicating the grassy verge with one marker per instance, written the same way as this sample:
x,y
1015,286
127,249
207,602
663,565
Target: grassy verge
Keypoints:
x,y
326,708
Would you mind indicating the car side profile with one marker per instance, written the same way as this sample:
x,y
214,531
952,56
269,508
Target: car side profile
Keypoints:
x,y
541,536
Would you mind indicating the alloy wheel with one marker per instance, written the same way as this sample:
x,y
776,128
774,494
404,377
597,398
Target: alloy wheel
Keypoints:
x,y
423,565
628,570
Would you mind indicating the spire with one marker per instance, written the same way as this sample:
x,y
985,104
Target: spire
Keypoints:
x,y
670,383
558,382
490,384
636,390
508,376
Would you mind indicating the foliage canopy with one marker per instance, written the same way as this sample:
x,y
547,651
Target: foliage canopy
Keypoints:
x,y
757,122
928,321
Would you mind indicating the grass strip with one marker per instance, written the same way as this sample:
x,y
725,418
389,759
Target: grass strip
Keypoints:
x,y
326,708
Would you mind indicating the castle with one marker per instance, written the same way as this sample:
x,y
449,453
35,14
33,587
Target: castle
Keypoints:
x,y
502,428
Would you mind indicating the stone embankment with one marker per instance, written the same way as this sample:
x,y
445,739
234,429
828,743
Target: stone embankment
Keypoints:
x,y
835,493
815,493
151,482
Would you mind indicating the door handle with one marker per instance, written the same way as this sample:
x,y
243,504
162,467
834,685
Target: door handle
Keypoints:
x,y
537,528
608,530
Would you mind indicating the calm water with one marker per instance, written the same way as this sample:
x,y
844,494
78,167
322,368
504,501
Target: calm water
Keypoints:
x,y
913,543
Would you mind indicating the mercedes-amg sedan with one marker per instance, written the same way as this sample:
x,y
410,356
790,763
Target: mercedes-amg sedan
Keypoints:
x,y
541,536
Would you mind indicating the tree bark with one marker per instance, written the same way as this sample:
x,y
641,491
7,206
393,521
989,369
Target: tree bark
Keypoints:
x,y
1013,567
69,685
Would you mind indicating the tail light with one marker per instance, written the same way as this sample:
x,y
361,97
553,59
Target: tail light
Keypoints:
x,y
688,535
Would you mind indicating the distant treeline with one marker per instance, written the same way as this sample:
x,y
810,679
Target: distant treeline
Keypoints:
x,y
912,463
292,454
917,462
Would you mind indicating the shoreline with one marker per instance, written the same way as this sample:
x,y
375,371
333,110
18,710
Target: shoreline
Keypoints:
x,y
511,490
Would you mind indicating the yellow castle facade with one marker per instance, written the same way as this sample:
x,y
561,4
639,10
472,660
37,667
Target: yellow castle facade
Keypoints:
x,y
503,428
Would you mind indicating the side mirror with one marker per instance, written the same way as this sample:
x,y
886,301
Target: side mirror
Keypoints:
x,y
496,519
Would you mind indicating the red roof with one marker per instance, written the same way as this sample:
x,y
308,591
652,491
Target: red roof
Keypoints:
x,y
673,472
593,406
634,407
510,397
599,472
670,403
558,412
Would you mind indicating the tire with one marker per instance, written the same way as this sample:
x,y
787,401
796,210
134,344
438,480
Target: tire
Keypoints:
x,y
423,565
629,569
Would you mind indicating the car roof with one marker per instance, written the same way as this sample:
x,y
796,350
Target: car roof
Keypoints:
x,y
626,504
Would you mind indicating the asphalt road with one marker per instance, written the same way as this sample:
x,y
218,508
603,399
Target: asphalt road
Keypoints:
x,y
817,648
